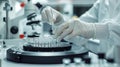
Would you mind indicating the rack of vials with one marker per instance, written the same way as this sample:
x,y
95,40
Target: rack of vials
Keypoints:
x,y
45,44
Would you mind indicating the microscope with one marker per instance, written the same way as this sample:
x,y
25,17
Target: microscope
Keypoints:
x,y
26,18
41,49
31,14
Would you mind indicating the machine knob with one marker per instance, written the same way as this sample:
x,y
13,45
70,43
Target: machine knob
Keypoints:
x,y
66,61
77,60
14,30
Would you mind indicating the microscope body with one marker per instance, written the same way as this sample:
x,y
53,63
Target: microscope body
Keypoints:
x,y
15,28
25,23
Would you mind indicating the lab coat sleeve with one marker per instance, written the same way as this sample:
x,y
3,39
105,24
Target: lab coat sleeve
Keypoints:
x,y
114,32
108,29
92,14
105,30
114,38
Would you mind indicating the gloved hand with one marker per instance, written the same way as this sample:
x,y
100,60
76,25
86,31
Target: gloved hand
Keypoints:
x,y
74,28
52,16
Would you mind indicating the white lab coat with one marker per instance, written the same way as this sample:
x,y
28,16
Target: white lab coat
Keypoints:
x,y
106,13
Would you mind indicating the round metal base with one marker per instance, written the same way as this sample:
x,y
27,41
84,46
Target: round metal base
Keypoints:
x,y
17,54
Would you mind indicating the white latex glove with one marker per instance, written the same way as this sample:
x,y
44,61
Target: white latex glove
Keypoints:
x,y
74,28
52,16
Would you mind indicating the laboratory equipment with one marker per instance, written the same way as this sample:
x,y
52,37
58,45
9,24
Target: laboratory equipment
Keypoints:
x,y
45,55
47,46
7,8
102,61
110,62
66,62
78,62
30,12
27,16
40,49
2,44
87,60
44,51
